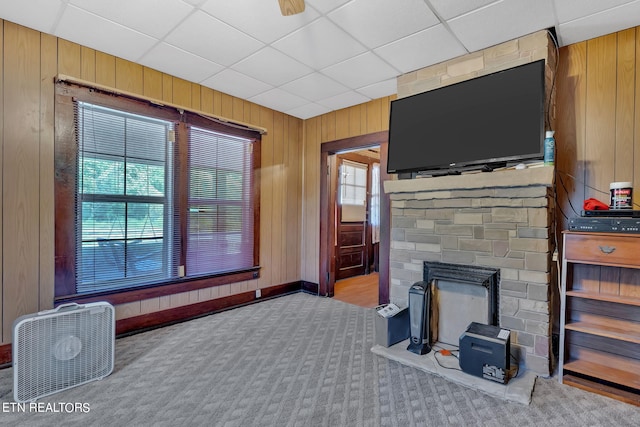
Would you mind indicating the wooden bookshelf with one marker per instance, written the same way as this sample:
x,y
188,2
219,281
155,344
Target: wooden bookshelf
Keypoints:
x,y
600,314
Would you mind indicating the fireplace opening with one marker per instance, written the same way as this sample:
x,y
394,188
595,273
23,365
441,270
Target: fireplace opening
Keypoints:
x,y
460,294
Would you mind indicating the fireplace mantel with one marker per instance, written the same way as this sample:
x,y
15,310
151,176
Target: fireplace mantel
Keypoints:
x,y
536,176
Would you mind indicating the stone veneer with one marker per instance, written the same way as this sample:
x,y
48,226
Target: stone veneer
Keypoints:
x,y
510,54
499,219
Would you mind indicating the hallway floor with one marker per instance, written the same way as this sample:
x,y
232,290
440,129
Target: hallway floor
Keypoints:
x,y
359,290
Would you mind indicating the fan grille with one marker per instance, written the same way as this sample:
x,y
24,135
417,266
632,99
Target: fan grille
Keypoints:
x,y
57,350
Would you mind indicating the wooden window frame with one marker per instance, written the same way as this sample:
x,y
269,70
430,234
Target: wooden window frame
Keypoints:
x,y
65,163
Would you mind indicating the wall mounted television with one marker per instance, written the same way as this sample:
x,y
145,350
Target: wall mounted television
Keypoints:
x,y
482,123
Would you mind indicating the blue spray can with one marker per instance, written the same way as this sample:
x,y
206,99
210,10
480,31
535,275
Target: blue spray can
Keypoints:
x,y
549,147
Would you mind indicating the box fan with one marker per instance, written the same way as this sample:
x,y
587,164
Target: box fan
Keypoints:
x,y
57,349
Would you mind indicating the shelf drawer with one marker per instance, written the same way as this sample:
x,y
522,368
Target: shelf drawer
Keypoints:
x,y
602,249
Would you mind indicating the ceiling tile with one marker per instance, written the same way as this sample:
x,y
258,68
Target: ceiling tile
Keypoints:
x,y
236,84
568,10
599,24
502,21
375,22
343,100
151,17
325,6
278,100
264,22
319,44
22,12
314,86
307,111
422,49
95,32
272,67
448,9
180,63
361,70
212,39
378,90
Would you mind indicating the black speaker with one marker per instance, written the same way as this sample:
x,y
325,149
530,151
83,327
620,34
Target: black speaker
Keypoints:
x,y
484,352
419,308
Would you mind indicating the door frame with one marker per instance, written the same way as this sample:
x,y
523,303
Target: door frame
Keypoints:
x,y
327,276
356,157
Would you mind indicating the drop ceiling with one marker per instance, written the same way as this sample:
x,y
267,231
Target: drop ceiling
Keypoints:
x,y
335,54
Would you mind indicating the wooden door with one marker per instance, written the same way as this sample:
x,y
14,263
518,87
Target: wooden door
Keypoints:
x,y
352,239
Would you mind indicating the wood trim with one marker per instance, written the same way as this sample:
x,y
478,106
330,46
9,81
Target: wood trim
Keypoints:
x,y
180,314
65,204
385,230
309,287
6,353
327,261
256,164
88,84
361,141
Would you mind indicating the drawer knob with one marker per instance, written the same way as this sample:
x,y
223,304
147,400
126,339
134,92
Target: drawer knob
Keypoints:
x,y
607,249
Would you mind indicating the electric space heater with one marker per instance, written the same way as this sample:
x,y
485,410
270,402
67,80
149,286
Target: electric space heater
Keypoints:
x,y
58,349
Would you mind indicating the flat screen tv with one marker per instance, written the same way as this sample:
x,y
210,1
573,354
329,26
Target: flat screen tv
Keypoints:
x,y
488,121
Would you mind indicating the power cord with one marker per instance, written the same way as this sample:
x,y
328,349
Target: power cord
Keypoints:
x,y
445,352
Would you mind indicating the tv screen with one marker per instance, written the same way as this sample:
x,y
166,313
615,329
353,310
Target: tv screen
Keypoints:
x,y
492,119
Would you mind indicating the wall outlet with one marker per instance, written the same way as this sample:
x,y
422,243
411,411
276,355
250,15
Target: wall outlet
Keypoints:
x,y
258,293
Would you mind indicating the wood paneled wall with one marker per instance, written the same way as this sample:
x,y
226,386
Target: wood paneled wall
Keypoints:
x,y
598,119
30,60
598,141
361,119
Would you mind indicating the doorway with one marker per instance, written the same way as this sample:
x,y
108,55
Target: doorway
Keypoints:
x,y
355,254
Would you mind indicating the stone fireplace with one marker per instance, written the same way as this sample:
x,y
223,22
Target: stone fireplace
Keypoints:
x,y
497,221
500,220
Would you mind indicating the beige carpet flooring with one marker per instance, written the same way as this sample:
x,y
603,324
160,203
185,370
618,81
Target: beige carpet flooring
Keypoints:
x,y
298,360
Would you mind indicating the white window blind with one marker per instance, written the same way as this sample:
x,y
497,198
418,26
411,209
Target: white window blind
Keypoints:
x,y
124,187
221,213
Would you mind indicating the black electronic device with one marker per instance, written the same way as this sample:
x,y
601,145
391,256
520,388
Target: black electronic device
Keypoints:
x,y
489,120
605,224
419,309
626,213
485,352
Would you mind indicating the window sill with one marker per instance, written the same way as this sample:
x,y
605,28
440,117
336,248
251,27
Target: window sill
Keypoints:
x,y
185,284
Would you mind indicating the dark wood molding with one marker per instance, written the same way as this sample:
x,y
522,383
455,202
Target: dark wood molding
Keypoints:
x,y
360,141
385,229
65,158
327,226
5,355
309,287
180,314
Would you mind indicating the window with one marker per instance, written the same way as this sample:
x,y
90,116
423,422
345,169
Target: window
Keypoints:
x,y
159,197
375,203
220,208
124,189
353,183
353,191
